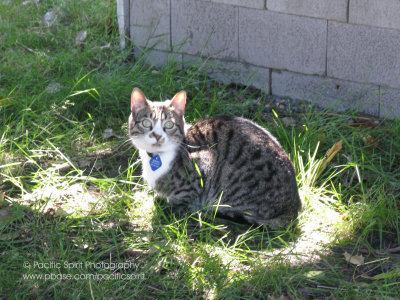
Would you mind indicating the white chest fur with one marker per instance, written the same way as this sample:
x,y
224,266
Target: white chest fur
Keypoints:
x,y
151,176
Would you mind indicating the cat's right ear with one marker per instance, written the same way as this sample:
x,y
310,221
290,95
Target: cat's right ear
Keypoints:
x,y
138,100
179,102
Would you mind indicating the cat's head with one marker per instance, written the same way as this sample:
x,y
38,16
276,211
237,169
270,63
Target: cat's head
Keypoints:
x,y
156,126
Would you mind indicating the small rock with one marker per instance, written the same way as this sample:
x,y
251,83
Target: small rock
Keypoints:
x,y
287,121
80,37
108,45
267,108
107,133
53,88
49,17
30,1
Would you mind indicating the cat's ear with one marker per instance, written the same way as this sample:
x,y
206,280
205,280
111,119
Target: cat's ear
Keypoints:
x,y
138,100
179,102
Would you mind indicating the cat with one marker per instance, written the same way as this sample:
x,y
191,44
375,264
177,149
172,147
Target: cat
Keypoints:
x,y
226,163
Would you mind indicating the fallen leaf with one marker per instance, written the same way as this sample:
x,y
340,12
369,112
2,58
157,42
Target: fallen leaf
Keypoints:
x,y
312,274
354,259
388,275
80,37
329,156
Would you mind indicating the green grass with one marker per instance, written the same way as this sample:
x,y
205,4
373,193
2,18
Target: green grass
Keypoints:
x,y
68,196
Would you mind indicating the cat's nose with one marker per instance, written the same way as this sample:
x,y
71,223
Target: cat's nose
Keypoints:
x,y
156,136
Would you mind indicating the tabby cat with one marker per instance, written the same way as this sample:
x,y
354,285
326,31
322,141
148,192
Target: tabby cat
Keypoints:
x,y
226,163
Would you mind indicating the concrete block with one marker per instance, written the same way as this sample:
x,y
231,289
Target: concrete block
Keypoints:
x,y
380,13
327,92
364,54
205,28
280,41
390,103
325,9
158,58
231,72
259,4
123,21
150,23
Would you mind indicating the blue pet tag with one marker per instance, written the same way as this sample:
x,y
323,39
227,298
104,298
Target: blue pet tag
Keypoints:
x,y
155,162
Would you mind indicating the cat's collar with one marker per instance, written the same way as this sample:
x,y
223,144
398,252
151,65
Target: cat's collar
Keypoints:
x,y
155,161
151,155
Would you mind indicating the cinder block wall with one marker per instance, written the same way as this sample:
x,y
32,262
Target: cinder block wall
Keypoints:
x,y
343,51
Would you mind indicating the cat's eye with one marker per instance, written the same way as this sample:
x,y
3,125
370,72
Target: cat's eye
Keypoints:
x,y
168,125
146,123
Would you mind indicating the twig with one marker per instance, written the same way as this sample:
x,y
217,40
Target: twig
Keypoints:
x,y
326,287
329,156
354,117
393,250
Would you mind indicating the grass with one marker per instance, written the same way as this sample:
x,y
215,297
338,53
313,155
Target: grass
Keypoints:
x,y
72,202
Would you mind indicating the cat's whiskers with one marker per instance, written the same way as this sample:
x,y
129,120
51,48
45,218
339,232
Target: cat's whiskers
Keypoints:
x,y
124,143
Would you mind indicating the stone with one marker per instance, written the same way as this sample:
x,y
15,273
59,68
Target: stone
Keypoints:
x,y
150,24
287,121
205,28
364,54
280,41
53,87
324,9
327,92
81,37
50,17
380,13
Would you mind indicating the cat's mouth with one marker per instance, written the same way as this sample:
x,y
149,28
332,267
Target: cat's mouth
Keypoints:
x,y
157,144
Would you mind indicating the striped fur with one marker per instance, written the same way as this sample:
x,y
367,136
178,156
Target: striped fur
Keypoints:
x,y
226,163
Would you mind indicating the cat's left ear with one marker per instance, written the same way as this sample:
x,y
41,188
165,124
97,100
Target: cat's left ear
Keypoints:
x,y
138,100
179,102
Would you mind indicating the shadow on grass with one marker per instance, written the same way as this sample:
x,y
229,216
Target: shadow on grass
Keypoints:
x,y
210,227
167,257
172,256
